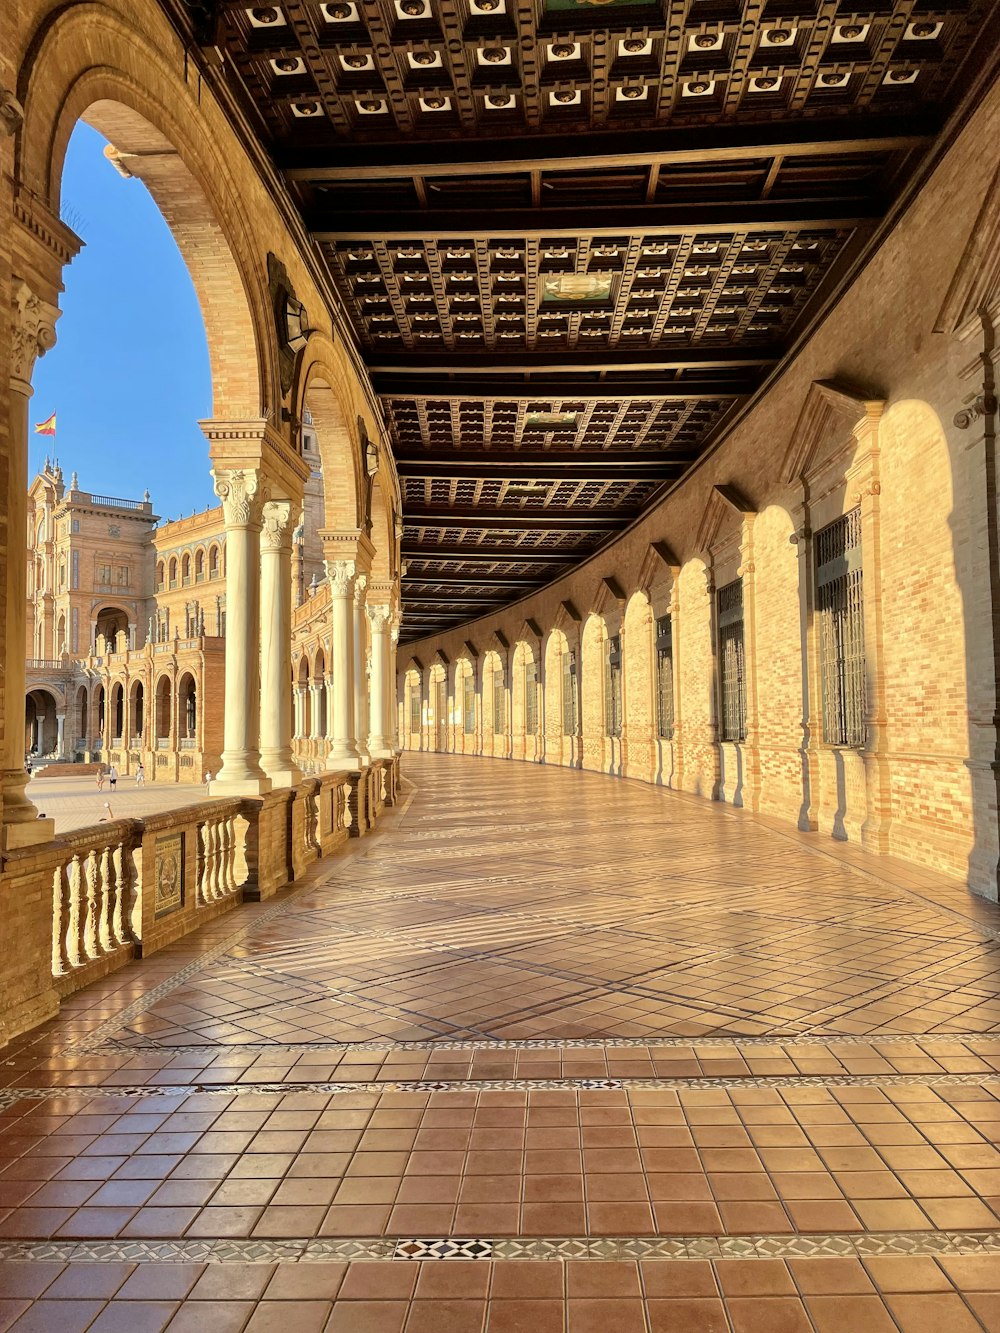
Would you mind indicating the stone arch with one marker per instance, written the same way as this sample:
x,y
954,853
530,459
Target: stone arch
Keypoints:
x,y
172,572
438,706
413,707
466,706
214,561
495,705
320,388
186,567
61,645
117,712
696,678
109,621
41,728
80,716
639,721
87,64
187,708
303,680
525,703
162,710
137,711
555,651
161,574
320,720
199,564
595,750
99,714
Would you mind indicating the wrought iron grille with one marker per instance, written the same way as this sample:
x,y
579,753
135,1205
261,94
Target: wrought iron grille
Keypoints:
x,y
570,694
469,704
442,714
613,687
840,609
732,665
498,703
414,708
665,677
531,698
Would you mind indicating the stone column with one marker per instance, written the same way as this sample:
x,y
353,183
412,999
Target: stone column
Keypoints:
x,y
343,745
360,674
276,645
318,688
328,686
392,705
33,333
242,502
61,735
380,737
298,713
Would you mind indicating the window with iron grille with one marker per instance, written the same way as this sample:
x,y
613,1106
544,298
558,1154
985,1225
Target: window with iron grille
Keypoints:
x,y
613,686
531,698
665,677
840,611
469,704
498,703
732,667
570,695
414,708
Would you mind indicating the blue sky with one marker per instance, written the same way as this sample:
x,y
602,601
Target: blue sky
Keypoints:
x,y
129,375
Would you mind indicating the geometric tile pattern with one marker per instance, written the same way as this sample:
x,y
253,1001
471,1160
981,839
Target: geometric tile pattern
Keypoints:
x,y
582,1081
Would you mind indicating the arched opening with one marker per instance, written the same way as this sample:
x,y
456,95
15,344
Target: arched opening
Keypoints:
x,y
61,644
639,741
137,713
173,571
161,719
595,746
494,705
187,711
109,622
199,565
117,713
526,710
320,726
304,728
412,722
562,699
466,711
160,575
213,562
41,727
100,710
80,719
185,570
438,719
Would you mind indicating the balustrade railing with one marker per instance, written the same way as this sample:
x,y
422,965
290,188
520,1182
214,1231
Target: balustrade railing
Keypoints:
x,y
218,840
95,901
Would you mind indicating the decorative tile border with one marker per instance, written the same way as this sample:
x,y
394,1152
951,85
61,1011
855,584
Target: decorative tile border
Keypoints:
x,y
558,1248
11,1096
787,1040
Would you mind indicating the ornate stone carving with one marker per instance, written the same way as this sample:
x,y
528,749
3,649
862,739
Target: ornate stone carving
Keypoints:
x,y
379,616
242,496
275,518
34,334
11,112
341,574
360,584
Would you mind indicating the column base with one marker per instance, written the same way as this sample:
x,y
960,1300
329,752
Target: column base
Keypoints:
x,y
28,833
220,787
280,770
384,752
337,760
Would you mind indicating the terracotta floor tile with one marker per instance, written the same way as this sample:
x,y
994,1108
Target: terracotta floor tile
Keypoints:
x,y
527,1280
930,1313
444,1316
31,1278
134,1317
598,1316
754,1277
768,1314
282,1316
850,1314
525,1316
232,1282
306,1282
65,1316
687,1315
378,1281
453,1280
367,1317
691,1278
227,1317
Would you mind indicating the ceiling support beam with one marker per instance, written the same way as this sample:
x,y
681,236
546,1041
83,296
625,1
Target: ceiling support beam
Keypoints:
x,y
528,520
332,223
548,465
679,147
482,555
574,388
739,357
466,581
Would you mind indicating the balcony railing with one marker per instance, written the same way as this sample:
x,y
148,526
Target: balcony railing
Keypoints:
x,y
163,742
188,743
46,664
112,502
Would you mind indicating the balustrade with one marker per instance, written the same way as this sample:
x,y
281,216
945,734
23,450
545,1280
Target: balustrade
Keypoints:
x,y
95,901
218,843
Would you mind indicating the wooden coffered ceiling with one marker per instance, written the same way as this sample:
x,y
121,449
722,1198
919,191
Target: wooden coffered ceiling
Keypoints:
x,y
573,237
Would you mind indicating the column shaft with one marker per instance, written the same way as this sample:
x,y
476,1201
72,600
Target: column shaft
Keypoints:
x,y
276,646
379,742
241,773
343,745
360,675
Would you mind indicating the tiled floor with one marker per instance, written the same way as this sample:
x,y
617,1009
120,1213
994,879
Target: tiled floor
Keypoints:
x,y
549,1051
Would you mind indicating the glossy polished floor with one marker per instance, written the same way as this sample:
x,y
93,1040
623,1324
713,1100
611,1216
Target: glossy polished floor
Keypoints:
x,y
551,1052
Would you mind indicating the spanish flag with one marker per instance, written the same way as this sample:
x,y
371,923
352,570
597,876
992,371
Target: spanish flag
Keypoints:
x,y
47,427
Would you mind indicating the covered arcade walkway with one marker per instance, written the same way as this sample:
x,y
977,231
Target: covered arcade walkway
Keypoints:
x,y
547,1052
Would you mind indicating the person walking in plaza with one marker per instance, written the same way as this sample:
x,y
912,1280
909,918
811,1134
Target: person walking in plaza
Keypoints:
x,y
100,777
112,776
140,775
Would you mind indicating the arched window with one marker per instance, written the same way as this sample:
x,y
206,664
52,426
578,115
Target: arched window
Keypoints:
x,y
186,569
159,574
187,709
162,716
213,563
199,565
173,571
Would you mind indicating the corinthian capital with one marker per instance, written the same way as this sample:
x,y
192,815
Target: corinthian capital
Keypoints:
x,y
241,494
341,575
274,533
34,333
360,584
379,616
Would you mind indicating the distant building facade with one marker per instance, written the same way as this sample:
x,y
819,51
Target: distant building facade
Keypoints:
x,y
126,624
